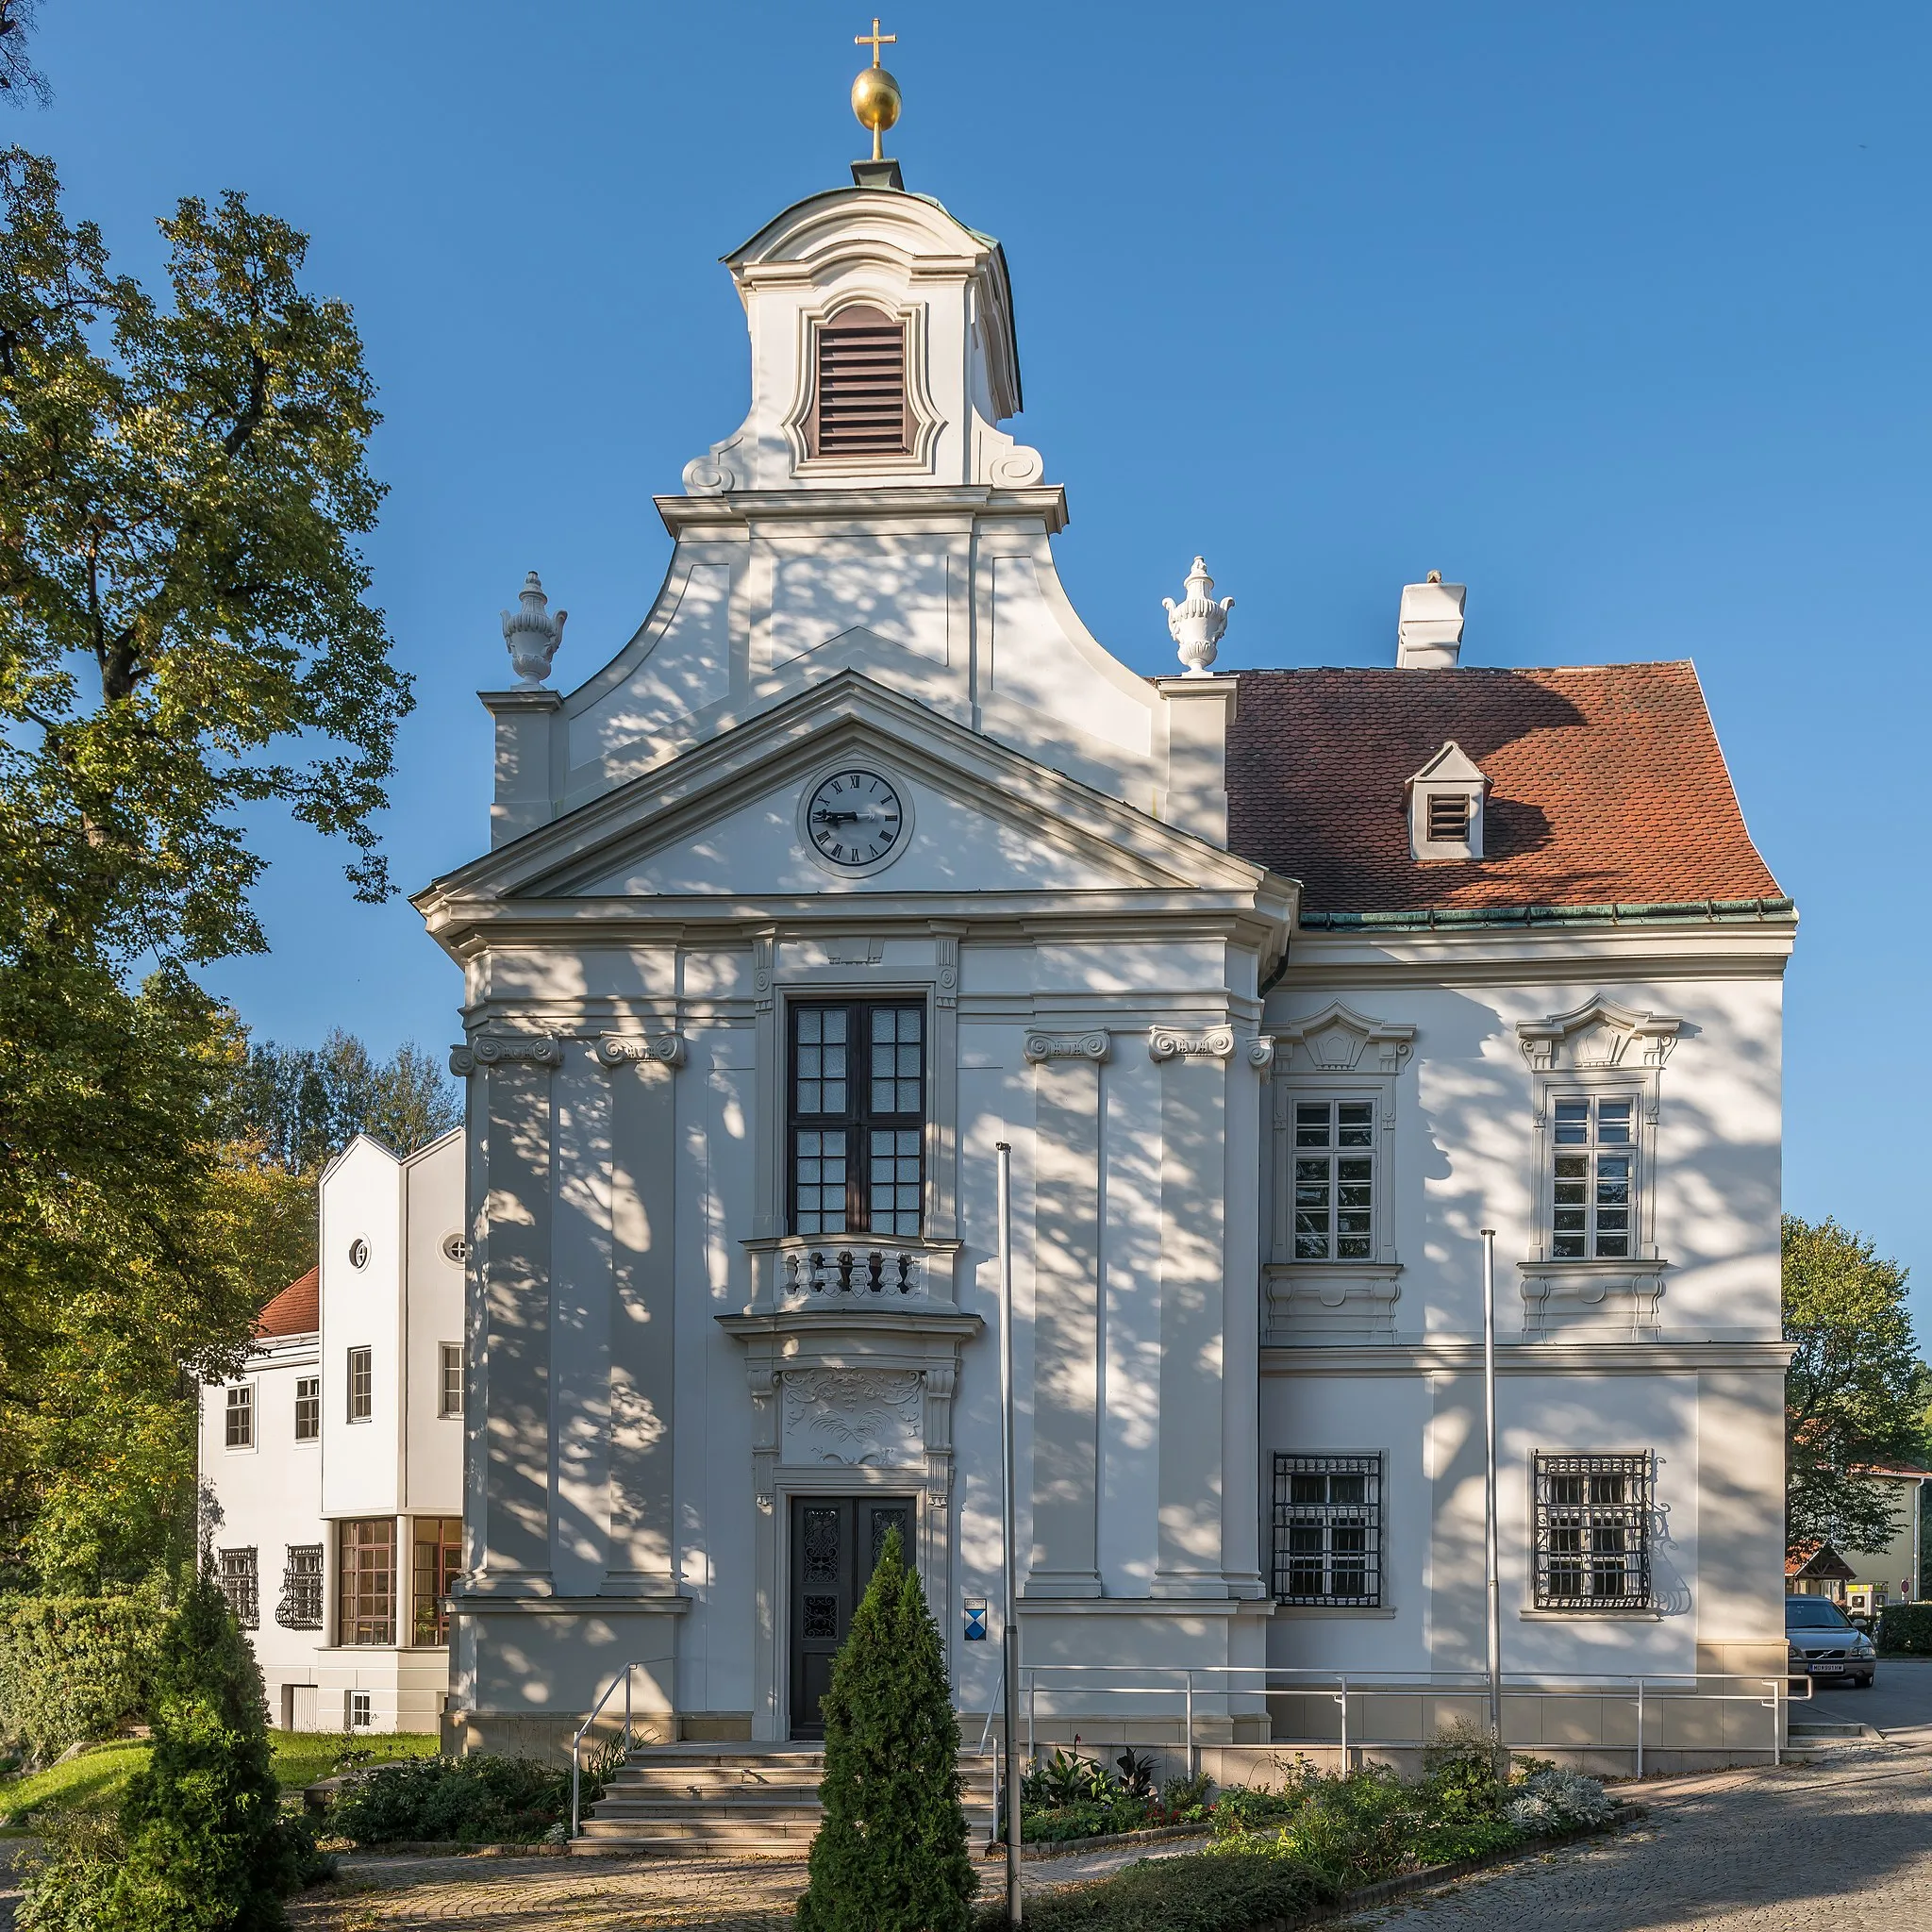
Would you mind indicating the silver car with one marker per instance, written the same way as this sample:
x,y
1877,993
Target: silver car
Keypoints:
x,y
1823,1643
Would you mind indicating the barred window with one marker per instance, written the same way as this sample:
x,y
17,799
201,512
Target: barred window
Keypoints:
x,y
1595,1179
857,1118
366,1570
308,1408
1334,1180
300,1608
238,1422
362,1385
451,1391
1328,1531
1593,1532
240,1584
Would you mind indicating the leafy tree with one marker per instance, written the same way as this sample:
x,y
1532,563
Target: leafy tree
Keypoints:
x,y
185,635
890,1856
1856,1392
304,1107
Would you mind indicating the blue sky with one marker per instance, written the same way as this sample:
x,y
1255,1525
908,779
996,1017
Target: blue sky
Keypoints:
x,y
1617,315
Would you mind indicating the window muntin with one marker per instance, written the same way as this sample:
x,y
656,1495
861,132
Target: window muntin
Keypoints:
x,y
361,1710
240,1581
309,1409
237,1422
857,1117
362,1385
439,1562
1593,1532
300,1608
366,1569
1334,1180
1328,1542
1595,1178
450,1392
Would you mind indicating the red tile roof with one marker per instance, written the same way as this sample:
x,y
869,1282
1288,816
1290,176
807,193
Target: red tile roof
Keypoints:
x,y
1605,786
298,1311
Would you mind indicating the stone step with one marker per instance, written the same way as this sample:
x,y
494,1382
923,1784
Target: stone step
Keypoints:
x,y
1820,1729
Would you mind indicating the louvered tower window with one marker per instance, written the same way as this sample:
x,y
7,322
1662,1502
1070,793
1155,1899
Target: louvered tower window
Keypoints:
x,y
861,387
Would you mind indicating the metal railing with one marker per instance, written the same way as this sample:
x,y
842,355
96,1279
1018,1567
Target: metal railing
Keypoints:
x,y
577,1744
1258,1682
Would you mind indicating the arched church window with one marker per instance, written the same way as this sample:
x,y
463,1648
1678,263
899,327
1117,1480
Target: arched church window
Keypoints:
x,y
860,408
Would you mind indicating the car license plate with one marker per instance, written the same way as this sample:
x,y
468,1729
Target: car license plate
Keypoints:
x,y
1828,1667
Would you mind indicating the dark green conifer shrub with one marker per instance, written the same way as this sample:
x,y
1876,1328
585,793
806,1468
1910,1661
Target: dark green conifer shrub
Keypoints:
x,y
890,1856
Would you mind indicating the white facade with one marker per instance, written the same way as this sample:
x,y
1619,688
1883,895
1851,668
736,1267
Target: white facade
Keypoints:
x,y
679,1377
353,1443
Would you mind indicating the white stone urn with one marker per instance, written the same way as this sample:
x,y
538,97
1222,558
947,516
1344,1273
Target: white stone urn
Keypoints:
x,y
1197,622
532,634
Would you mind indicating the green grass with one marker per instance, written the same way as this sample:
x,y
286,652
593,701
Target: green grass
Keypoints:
x,y
98,1773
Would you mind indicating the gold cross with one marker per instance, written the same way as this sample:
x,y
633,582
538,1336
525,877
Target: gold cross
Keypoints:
x,y
874,40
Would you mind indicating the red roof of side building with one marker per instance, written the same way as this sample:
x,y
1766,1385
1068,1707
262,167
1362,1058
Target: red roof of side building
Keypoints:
x,y
1605,787
298,1311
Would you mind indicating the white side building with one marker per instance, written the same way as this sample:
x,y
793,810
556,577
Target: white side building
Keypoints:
x,y
332,1466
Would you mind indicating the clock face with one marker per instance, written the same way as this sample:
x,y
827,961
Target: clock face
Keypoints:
x,y
854,817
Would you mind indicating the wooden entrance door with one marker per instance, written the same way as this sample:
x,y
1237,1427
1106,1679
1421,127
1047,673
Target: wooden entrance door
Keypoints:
x,y
836,1545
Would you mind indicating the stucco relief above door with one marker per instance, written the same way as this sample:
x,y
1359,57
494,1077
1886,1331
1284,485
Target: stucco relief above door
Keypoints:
x,y
859,1418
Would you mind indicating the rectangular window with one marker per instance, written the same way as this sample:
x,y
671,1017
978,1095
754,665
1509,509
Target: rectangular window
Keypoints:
x,y
367,1570
1593,1532
1328,1531
451,1394
1595,1180
857,1118
439,1562
301,1606
308,1408
241,1583
361,1710
1334,1180
361,1386
1448,817
239,1425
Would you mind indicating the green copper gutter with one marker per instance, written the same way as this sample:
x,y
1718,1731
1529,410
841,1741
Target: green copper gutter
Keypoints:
x,y
1455,919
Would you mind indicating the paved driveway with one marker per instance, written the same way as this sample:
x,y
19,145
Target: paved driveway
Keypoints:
x,y
1848,1841
1899,1702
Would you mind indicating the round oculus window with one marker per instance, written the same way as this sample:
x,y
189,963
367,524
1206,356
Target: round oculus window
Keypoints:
x,y
358,1252
456,1250
855,819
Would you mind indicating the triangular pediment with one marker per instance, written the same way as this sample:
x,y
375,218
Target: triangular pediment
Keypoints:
x,y
727,820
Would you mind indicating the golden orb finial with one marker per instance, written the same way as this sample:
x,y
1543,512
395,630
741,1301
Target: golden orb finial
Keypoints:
x,y
875,97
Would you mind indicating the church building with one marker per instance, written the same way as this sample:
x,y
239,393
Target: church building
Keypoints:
x,y
865,855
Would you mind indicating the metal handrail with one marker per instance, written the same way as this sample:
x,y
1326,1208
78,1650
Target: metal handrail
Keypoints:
x,y
577,1744
1179,1679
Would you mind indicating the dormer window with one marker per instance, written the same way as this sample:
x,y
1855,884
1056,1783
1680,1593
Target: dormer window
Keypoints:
x,y
1445,808
860,388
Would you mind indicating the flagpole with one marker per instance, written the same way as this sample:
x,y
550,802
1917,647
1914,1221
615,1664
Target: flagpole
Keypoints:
x,y
1010,1630
1493,1583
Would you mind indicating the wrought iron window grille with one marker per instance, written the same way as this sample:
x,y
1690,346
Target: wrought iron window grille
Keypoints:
x,y
1593,1532
1328,1531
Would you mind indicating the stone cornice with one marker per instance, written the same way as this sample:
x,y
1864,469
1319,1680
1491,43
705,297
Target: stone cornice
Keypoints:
x,y
868,506
1524,1357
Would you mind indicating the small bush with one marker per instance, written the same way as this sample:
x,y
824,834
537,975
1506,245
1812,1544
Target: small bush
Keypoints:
x,y
481,1799
1551,1800
1202,1893
1088,1817
76,1668
1185,1799
1905,1630
71,1877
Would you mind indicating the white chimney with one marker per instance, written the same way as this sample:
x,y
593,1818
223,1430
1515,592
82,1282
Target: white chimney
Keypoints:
x,y
1428,631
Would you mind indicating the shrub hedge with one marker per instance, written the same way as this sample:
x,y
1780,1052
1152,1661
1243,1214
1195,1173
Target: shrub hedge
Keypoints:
x,y
477,1800
1905,1630
76,1668
1199,1892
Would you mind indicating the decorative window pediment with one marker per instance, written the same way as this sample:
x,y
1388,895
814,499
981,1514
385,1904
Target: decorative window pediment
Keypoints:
x,y
1338,1040
1598,1035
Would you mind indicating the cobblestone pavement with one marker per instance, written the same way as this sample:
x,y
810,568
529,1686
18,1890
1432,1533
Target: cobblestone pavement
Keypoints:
x,y
1848,1839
